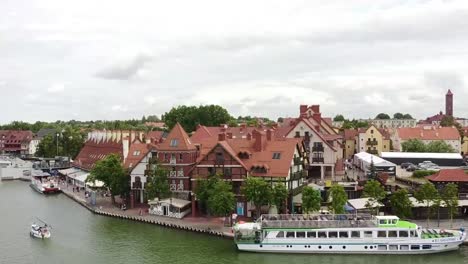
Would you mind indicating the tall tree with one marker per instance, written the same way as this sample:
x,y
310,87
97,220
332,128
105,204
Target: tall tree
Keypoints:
x,y
372,171
382,116
450,197
257,191
311,200
222,200
407,116
376,193
280,194
190,116
401,204
158,183
111,172
339,118
428,195
413,145
338,198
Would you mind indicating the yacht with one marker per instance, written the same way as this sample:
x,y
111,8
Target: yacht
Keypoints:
x,y
343,234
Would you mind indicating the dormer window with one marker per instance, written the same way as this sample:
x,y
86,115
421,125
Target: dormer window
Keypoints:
x,y
136,153
174,143
276,155
259,169
243,155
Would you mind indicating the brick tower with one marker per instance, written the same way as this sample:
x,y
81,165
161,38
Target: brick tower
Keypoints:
x,y
449,103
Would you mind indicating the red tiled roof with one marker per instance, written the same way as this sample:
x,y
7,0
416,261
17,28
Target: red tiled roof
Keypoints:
x,y
350,134
328,120
16,136
205,131
276,167
177,140
137,151
156,135
448,175
94,151
385,133
442,133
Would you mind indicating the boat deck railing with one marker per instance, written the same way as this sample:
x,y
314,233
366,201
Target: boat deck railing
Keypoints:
x,y
316,221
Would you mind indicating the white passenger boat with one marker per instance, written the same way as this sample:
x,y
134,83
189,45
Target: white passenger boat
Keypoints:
x,y
346,234
40,231
43,183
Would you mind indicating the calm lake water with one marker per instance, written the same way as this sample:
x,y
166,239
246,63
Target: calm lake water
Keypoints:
x,y
78,236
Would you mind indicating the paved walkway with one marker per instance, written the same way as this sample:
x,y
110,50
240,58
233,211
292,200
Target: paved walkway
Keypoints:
x,y
213,225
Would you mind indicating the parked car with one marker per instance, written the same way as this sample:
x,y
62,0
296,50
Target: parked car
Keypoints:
x,y
405,165
427,164
412,167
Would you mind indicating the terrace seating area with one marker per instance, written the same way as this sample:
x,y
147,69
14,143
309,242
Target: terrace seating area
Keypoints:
x,y
317,221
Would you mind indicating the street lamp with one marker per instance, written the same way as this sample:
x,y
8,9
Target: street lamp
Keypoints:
x,y
57,141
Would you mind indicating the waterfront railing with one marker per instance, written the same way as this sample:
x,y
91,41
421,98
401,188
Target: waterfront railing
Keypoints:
x,y
317,221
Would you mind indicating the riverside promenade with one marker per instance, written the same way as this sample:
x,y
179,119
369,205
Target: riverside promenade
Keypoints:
x,y
212,226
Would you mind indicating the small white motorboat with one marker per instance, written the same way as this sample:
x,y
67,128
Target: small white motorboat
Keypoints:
x,y
40,231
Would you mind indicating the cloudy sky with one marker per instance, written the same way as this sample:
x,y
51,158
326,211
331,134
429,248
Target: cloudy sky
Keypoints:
x,y
111,59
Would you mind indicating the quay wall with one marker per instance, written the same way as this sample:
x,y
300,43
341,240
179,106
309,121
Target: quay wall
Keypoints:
x,y
165,223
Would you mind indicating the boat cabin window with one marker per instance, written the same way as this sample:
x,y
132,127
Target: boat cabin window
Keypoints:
x,y
289,234
381,233
300,234
404,247
383,221
394,221
332,234
414,247
367,233
392,233
280,234
413,233
311,234
403,234
344,234
426,246
322,234
356,234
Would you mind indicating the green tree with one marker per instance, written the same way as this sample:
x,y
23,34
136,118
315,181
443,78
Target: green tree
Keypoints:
x,y
203,190
280,194
450,197
401,204
338,198
190,116
428,195
221,201
407,116
375,192
398,116
111,172
382,116
339,118
257,191
413,145
440,147
311,200
46,147
158,183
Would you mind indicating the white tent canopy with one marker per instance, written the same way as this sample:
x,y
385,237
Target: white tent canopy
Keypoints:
x,y
428,155
360,203
378,161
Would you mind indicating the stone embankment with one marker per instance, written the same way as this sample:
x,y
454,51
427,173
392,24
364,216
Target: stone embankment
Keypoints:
x,y
187,225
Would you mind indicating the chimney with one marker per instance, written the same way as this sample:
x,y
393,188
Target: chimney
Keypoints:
x,y
221,137
125,148
302,109
270,134
229,135
259,138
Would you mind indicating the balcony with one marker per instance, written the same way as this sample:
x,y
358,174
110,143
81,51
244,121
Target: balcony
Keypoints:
x,y
318,160
317,149
373,151
371,142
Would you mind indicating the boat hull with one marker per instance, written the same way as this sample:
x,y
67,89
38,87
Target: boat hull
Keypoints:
x,y
39,235
43,190
350,248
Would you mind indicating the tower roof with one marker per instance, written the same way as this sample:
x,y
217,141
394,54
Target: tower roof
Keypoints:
x,y
449,92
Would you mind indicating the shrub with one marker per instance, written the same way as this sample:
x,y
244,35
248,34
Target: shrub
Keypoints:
x,y
423,173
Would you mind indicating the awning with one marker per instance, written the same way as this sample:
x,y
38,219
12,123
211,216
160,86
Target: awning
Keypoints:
x,y
360,203
69,171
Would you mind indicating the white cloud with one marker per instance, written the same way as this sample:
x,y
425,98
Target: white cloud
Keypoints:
x,y
56,88
358,58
